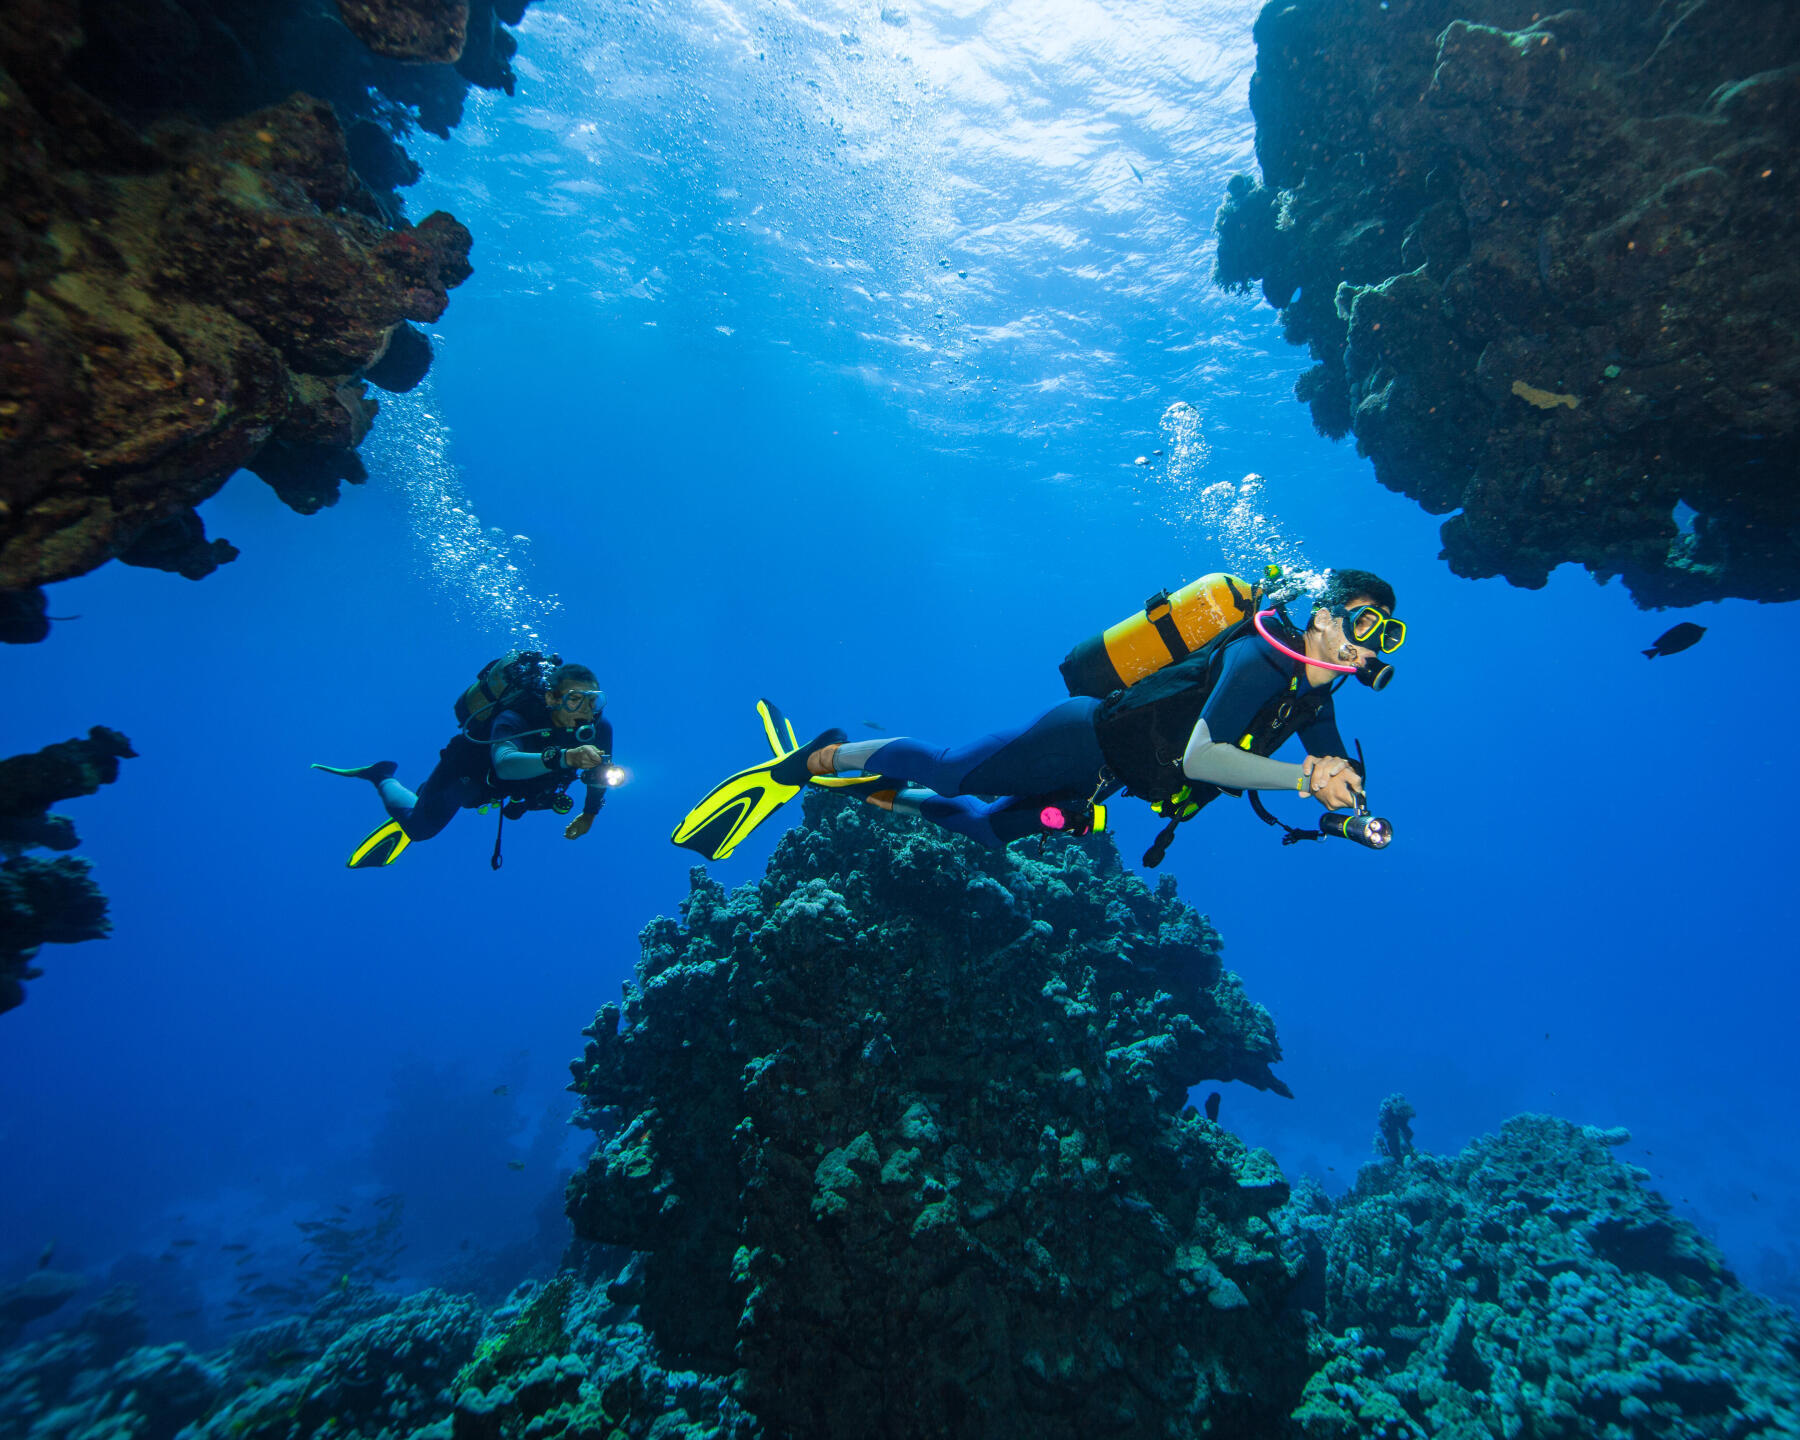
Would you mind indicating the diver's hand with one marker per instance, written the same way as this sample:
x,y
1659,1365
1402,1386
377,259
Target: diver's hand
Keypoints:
x,y
1335,783
582,757
577,827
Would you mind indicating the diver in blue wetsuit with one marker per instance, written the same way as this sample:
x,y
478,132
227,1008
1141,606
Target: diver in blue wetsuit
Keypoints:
x,y
1204,726
532,751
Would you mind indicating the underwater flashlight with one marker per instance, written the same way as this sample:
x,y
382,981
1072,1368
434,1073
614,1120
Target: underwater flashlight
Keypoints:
x,y
613,775
1051,817
1370,830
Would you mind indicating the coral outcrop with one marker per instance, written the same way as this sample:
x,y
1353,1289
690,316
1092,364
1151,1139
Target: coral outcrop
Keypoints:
x,y
1530,1286
1548,263
557,1357
48,901
203,259
902,1133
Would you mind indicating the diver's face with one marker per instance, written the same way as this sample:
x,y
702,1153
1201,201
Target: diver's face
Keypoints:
x,y
1332,643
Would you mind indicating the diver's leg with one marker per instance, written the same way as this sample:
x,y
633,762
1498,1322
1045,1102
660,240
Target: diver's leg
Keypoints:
x,y
993,824
446,790
1057,751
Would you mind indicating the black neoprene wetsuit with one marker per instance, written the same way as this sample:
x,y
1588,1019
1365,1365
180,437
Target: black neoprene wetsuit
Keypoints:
x,y
510,766
1073,752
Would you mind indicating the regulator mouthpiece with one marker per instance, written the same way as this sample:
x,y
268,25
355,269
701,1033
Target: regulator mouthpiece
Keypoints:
x,y
1376,675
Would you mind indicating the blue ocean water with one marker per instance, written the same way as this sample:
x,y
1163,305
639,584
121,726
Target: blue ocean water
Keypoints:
x,y
810,354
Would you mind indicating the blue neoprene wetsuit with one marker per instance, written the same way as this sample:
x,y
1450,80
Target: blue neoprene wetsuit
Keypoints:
x,y
467,769
1057,758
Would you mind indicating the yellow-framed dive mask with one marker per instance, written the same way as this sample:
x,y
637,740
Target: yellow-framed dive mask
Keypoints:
x,y
1373,628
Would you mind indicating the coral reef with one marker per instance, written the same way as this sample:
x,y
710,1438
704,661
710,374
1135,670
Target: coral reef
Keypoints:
x,y
898,1134
203,257
48,901
902,1131
558,1358
1530,1286
1549,267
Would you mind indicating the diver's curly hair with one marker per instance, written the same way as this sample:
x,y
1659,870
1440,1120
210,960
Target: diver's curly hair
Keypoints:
x,y
1345,585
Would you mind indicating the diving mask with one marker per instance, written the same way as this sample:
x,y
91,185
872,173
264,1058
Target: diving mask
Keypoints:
x,y
1372,627
572,700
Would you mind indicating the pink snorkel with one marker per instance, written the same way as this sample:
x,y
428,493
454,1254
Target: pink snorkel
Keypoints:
x,y
1262,630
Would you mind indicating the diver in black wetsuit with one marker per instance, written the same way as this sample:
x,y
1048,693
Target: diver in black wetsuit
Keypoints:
x,y
1204,726
535,748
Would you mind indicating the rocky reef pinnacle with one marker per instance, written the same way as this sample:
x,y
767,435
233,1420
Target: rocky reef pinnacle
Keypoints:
x,y
48,901
204,260
903,1131
1549,267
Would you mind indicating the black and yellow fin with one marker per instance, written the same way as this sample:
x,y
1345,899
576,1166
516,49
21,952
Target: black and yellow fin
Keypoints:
x,y
734,808
383,845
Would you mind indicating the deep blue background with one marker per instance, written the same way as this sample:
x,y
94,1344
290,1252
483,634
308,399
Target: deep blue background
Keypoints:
x,y
1586,910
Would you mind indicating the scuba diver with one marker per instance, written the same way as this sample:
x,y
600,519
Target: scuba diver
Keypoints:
x,y
1179,704
526,730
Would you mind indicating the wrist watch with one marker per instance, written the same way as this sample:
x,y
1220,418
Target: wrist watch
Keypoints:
x,y
552,758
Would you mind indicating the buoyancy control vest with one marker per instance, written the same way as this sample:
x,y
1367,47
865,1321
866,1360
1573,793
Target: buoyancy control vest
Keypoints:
x,y
502,684
1144,728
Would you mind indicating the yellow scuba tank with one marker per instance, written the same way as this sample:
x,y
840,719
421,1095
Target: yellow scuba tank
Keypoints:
x,y
1170,627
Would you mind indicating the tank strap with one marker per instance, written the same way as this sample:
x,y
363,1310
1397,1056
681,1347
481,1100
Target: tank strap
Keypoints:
x,y
1158,612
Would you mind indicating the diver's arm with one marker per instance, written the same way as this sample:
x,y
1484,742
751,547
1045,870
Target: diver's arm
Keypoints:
x,y
1230,768
1248,679
512,763
596,791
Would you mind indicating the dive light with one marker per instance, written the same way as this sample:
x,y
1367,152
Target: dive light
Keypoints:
x,y
1370,830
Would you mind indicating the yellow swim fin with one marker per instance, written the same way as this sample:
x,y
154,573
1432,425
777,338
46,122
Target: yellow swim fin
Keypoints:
x,y
737,805
381,846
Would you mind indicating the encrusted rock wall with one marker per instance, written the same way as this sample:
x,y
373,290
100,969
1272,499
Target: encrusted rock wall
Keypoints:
x,y
1549,265
903,1131
203,256
1531,1286
44,902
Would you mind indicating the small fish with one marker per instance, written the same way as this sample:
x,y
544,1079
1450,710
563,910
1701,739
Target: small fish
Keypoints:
x,y
515,1164
187,1314
1212,1105
251,1275
45,1254
243,1260
341,1209
501,1090
1135,171
1673,642
168,1257
181,1244
235,1245
874,725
